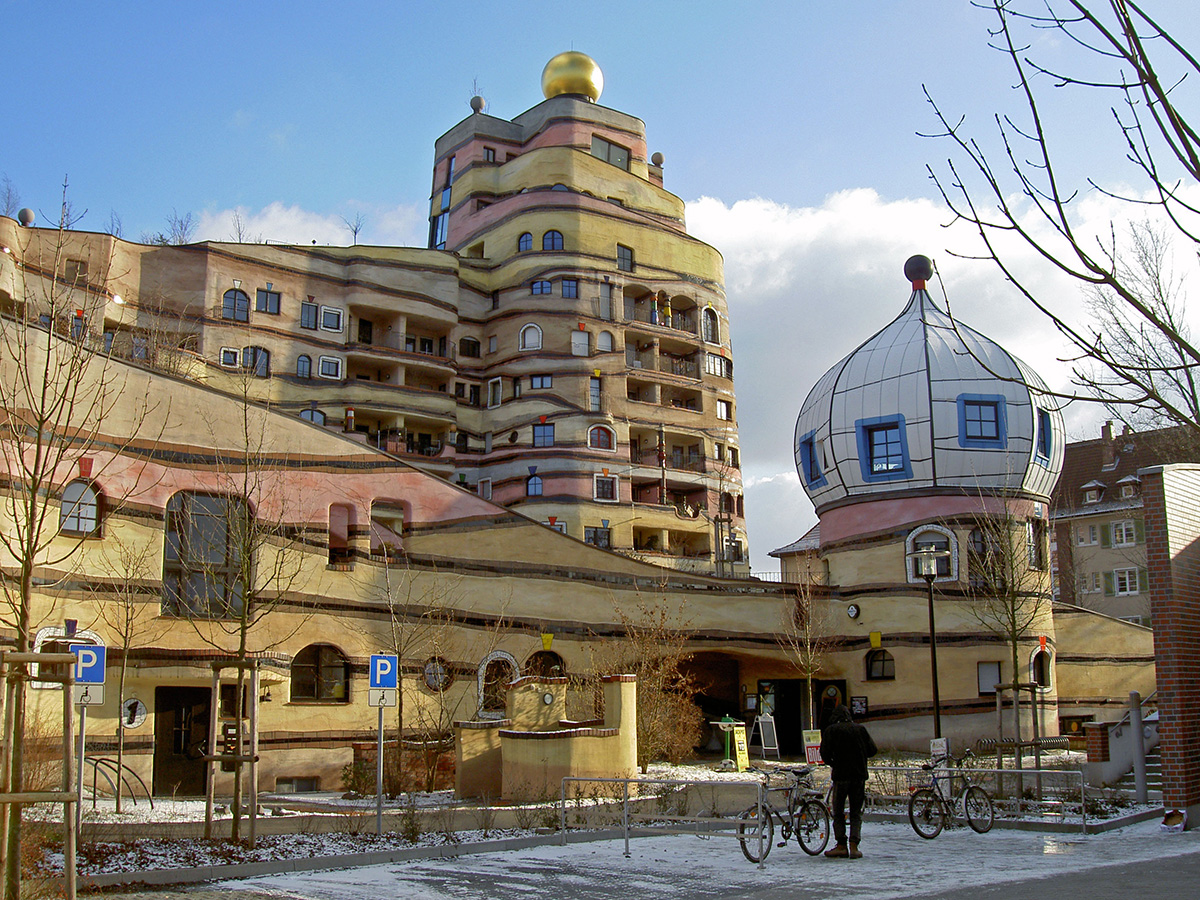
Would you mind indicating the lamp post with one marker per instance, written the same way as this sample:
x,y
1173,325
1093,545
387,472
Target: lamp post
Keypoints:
x,y
926,562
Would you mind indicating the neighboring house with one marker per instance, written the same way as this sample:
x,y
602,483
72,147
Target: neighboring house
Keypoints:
x,y
1100,534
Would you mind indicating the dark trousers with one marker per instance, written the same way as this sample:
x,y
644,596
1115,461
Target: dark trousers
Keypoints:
x,y
853,791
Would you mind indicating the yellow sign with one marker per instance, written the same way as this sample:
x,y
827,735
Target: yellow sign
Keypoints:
x,y
876,640
547,640
740,748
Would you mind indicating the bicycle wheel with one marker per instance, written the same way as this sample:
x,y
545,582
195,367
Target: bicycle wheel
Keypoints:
x,y
978,807
926,814
748,832
811,825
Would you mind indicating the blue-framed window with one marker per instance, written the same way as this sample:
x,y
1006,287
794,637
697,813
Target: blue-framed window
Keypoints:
x,y
570,288
810,462
543,435
883,448
982,421
1045,436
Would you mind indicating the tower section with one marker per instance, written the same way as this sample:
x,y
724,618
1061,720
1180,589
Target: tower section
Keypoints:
x,y
594,372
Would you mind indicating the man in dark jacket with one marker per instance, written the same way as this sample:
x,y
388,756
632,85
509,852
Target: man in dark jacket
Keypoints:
x,y
846,746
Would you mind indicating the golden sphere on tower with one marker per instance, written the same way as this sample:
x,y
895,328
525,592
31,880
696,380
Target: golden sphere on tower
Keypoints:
x,y
572,73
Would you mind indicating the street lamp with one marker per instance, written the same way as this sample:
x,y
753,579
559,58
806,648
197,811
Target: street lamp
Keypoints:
x,y
925,561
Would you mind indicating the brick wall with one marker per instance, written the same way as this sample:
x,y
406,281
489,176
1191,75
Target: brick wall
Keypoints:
x,y
1171,502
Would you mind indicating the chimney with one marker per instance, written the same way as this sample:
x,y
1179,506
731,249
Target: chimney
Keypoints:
x,y
1107,458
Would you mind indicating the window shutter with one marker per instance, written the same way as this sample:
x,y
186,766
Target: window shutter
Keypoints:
x,y
1106,534
1110,587
1139,531
1143,580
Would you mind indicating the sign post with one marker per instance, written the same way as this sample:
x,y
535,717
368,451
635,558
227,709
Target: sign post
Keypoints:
x,y
382,691
88,690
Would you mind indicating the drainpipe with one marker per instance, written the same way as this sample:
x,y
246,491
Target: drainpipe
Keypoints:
x,y
1139,746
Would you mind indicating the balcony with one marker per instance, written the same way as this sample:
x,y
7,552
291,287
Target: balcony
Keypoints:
x,y
685,323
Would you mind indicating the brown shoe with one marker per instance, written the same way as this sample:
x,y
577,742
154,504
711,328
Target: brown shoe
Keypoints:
x,y
854,852
837,852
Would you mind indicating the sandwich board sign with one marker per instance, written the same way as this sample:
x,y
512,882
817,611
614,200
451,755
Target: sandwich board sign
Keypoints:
x,y
383,682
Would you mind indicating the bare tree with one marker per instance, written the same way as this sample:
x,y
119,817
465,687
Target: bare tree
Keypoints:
x,y
805,633
1025,191
114,226
179,230
355,226
241,230
10,199
56,395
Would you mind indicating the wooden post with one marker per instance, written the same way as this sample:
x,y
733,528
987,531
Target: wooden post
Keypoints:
x,y
253,753
214,703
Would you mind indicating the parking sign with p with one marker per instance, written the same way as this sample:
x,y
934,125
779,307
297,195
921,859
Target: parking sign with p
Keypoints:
x,y
90,662
383,681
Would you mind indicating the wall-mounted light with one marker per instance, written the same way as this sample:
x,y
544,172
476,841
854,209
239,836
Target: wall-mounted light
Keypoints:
x,y
266,695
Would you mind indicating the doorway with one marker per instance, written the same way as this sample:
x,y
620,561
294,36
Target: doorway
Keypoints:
x,y
786,700
180,740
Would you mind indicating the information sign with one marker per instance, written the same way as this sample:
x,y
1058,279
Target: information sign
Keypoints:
x,y
741,751
812,747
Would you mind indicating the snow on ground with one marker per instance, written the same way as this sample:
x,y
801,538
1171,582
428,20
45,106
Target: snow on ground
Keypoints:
x,y
896,864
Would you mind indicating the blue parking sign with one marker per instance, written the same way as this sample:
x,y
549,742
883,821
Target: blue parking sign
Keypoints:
x,y
384,672
89,663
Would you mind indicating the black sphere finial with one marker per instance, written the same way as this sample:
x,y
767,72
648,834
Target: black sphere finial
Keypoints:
x,y
918,268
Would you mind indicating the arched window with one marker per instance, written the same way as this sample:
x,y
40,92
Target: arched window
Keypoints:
x,y
881,666
313,415
531,338
601,438
533,486
937,538
303,366
321,672
545,664
202,571
712,328
604,341
552,240
235,305
1039,668
525,243
495,672
80,510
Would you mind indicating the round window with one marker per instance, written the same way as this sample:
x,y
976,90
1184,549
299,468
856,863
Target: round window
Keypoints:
x,y
437,674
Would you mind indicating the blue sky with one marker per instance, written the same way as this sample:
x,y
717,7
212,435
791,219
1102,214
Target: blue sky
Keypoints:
x,y
790,128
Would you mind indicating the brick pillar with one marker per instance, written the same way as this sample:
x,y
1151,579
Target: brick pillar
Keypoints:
x,y
1171,503
1096,736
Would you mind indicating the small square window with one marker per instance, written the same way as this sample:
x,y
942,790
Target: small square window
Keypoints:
x,y
605,488
540,382
988,676
331,318
229,357
267,301
724,410
1091,495
543,435
882,448
330,367
598,537
308,315
570,288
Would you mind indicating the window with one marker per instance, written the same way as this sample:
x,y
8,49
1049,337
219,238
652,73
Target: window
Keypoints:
x,y
531,338
715,364
533,486
1091,495
611,153
267,301
594,394
516,387
540,382
492,343
235,305
1087,583
809,455
724,410
495,672
440,226
883,444
1087,535
1039,668
988,676
321,672
981,421
469,347
605,488
605,342
570,288
229,357
489,154
256,360
598,537
540,287
580,343
80,510
1044,438
495,392
78,326
712,328
313,415
525,243
331,318
436,674
330,367
1126,582
624,258
883,449
202,569
308,315
931,538
484,488
1036,539
303,366
881,666
75,271
543,435
1124,534
552,240
601,438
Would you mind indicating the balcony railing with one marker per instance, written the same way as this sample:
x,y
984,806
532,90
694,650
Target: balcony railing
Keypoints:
x,y
676,321
689,462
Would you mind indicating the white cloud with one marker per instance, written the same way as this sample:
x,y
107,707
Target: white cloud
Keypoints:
x,y
401,226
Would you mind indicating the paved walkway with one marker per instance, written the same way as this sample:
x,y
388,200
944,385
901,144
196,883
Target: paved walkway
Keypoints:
x,y
1135,862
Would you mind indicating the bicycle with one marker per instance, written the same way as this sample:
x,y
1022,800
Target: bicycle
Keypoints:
x,y
930,809
806,816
